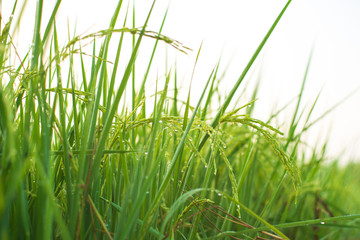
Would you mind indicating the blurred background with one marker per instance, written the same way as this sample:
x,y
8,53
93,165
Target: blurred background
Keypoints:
x,y
232,30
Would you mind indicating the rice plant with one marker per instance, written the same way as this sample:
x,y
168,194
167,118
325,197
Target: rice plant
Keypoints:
x,y
81,160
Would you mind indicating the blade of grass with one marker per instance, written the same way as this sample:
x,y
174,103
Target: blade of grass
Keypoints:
x,y
99,217
50,24
228,99
321,221
185,119
141,93
62,114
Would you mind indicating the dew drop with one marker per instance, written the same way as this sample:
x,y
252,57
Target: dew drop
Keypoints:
x,y
322,222
160,121
206,166
219,194
145,153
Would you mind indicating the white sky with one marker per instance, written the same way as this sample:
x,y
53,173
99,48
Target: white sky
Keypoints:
x,y
233,29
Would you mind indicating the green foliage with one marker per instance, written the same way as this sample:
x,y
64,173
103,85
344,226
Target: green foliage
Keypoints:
x,y
76,162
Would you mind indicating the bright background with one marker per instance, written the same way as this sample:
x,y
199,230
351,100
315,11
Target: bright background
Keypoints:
x,y
232,30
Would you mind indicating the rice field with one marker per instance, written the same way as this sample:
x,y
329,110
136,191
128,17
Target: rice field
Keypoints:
x,y
90,152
